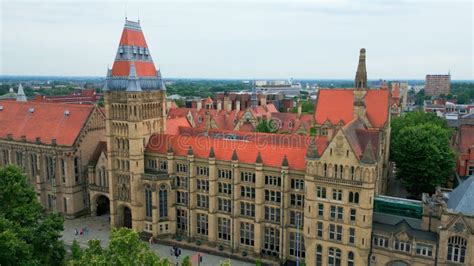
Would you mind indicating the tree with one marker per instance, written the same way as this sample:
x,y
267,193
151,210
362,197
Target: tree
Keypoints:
x,y
266,126
226,262
28,236
125,248
76,252
186,261
421,151
416,118
463,98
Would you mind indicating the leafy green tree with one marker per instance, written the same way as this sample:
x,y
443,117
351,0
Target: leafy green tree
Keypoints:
x,y
186,261
463,98
416,118
266,126
180,103
28,236
76,251
125,248
226,262
421,151
307,107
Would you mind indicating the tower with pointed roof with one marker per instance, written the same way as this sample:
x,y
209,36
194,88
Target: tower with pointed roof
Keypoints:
x,y
254,99
361,74
20,95
134,94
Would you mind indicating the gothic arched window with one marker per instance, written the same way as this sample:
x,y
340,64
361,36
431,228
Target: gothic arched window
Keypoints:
x,y
350,258
456,249
319,255
148,202
163,202
334,257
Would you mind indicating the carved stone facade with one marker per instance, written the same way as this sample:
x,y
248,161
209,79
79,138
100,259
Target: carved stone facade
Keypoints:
x,y
57,170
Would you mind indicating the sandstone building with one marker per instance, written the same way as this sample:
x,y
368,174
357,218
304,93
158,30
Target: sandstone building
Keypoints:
x,y
276,197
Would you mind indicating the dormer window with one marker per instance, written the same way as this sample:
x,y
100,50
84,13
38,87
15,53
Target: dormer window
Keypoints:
x,y
200,119
140,51
146,51
121,50
290,124
134,49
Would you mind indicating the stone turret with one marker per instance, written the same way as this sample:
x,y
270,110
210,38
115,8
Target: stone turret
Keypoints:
x,y
361,74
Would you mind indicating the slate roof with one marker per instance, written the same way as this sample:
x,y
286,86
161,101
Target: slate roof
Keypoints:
x,y
390,224
461,199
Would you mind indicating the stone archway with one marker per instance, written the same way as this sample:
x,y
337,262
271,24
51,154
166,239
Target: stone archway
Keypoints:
x,y
398,263
103,205
127,217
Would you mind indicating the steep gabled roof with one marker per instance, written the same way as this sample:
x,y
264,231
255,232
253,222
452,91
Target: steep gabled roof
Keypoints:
x,y
173,125
101,148
47,121
461,199
338,105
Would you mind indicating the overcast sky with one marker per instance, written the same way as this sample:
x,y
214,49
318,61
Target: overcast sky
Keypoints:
x,y
265,39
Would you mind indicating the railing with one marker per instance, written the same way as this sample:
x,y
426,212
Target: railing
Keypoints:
x,y
339,181
152,175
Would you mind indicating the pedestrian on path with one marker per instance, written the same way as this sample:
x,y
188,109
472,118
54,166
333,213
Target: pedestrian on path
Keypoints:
x,y
151,240
76,232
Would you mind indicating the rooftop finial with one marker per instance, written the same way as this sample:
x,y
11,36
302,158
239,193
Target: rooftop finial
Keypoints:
x,y
133,82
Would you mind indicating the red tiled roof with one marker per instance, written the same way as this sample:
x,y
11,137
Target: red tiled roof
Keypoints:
x,y
47,121
272,153
377,103
132,38
338,104
173,125
143,68
334,105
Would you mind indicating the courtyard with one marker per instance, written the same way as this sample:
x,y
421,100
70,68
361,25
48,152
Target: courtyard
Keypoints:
x,y
98,227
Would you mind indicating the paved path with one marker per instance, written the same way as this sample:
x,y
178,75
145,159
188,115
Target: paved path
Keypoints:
x,y
98,228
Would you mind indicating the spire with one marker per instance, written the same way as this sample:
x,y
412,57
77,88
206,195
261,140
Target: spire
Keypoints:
x,y
259,158
361,74
133,83
312,152
254,100
212,153
234,156
284,163
368,155
133,52
106,87
20,95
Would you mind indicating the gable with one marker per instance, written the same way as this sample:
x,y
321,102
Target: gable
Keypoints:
x,y
340,150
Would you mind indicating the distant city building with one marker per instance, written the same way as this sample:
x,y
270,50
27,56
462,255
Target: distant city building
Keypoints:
x,y
85,96
436,85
